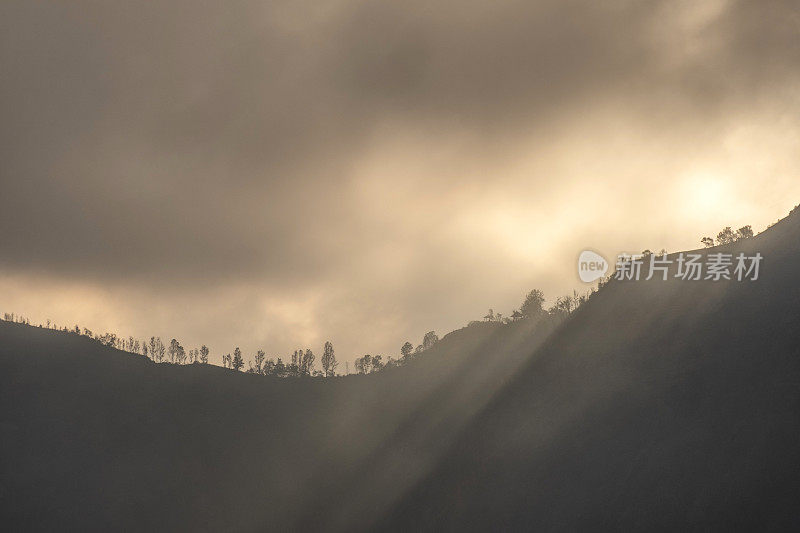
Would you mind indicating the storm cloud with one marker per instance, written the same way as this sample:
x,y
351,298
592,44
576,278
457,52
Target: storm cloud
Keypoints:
x,y
275,174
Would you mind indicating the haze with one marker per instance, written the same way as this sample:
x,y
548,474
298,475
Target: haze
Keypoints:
x,y
278,174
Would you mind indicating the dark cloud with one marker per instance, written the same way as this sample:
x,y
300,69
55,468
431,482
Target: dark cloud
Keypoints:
x,y
205,144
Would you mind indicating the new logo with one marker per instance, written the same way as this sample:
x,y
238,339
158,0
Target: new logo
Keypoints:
x,y
591,266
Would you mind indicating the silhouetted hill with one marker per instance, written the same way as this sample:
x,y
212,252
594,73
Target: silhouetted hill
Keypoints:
x,y
99,439
658,405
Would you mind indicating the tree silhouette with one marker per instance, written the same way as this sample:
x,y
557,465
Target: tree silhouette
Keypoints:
x,y
293,369
160,349
745,232
364,364
302,360
726,236
280,368
258,366
329,362
307,363
429,340
173,350
533,304
563,306
237,362
406,351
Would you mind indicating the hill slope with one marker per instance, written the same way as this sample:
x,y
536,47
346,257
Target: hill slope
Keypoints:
x,y
660,406
98,439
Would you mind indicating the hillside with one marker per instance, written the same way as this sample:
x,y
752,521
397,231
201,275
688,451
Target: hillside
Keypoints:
x,y
94,438
658,405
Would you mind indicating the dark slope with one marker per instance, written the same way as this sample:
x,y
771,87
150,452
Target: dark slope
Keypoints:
x,y
660,406
94,439
467,369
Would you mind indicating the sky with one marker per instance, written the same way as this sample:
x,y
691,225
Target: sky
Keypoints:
x,y
272,175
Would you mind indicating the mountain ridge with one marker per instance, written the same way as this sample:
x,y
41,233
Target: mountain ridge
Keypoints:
x,y
606,420
727,317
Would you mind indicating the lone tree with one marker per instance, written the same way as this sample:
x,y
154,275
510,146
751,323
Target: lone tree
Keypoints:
x,y
307,363
173,350
533,305
708,242
204,354
257,367
429,340
237,362
329,362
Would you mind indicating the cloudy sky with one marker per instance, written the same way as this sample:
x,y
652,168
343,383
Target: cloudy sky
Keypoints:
x,y
274,174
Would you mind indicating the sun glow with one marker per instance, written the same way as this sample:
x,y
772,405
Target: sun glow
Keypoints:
x,y
704,193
